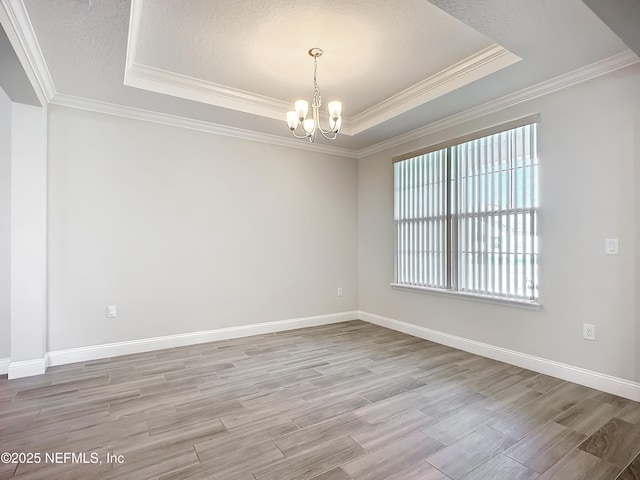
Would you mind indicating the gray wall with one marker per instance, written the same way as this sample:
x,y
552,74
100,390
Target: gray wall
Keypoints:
x,y
186,231
5,225
588,147
637,223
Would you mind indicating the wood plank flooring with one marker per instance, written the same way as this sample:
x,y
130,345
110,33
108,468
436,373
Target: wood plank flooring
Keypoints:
x,y
350,401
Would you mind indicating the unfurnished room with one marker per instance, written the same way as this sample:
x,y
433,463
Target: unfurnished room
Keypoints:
x,y
291,240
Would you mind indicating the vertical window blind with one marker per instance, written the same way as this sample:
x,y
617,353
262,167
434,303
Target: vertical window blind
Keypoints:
x,y
466,214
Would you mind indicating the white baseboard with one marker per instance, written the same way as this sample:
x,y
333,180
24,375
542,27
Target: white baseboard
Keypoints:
x,y
4,365
95,352
27,368
599,381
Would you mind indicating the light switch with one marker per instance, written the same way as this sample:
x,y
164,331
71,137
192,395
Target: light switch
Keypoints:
x,y
611,246
111,311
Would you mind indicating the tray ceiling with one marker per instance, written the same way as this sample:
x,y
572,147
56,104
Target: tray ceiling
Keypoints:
x,y
396,66
252,56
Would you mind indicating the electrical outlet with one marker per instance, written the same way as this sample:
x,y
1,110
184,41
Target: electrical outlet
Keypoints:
x,y
339,291
111,311
589,331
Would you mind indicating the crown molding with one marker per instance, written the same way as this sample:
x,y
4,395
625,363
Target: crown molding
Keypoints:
x,y
182,86
583,74
200,125
20,31
602,67
133,33
479,65
472,68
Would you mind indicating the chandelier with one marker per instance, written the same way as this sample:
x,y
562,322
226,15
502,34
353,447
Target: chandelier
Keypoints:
x,y
310,126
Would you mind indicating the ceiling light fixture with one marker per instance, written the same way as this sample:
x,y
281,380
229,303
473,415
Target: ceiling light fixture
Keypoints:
x,y
312,125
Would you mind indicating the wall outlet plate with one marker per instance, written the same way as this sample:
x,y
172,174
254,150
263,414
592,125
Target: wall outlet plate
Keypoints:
x,y
589,331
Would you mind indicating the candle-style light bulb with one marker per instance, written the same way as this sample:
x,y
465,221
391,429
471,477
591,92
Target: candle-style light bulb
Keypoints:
x,y
335,109
302,108
292,120
308,125
335,124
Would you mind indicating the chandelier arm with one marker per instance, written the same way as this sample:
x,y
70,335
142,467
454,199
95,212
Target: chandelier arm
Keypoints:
x,y
300,136
325,135
316,124
330,130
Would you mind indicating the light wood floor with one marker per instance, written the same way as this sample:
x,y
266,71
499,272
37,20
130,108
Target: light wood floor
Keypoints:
x,y
338,402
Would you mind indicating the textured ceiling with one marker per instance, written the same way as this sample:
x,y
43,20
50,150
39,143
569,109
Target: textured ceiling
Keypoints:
x,y
249,56
260,47
622,16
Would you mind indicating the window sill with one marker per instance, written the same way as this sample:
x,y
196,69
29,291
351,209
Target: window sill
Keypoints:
x,y
525,304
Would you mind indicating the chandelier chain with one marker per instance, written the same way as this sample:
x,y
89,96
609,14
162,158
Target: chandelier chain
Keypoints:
x,y
317,99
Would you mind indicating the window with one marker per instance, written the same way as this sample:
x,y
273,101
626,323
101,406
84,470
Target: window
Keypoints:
x,y
466,214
